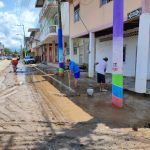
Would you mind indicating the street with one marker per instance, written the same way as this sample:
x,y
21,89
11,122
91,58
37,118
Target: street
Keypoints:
x,y
35,115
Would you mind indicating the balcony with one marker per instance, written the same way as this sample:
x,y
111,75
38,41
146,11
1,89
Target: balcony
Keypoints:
x,y
49,33
47,4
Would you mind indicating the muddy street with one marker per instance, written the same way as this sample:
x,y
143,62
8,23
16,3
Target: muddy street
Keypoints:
x,y
35,115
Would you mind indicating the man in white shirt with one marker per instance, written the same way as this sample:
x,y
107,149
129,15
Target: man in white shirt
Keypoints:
x,y
101,69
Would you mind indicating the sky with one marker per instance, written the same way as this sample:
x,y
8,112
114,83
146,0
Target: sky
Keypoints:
x,y
13,13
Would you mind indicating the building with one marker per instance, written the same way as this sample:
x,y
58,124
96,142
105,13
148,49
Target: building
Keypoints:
x,y
91,33
34,44
1,49
48,33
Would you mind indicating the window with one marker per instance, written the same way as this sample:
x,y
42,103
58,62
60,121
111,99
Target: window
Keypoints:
x,y
75,51
103,2
77,13
124,53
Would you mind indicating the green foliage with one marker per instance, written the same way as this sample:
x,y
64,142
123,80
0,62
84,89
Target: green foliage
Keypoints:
x,y
7,51
23,52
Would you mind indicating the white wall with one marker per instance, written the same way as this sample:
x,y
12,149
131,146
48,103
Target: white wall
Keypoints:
x,y
104,49
149,66
65,18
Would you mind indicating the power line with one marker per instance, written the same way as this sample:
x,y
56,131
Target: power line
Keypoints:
x,y
82,19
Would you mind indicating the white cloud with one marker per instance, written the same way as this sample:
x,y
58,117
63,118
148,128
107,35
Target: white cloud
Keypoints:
x,y
1,4
8,29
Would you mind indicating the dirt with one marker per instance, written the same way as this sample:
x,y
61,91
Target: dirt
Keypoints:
x,y
36,115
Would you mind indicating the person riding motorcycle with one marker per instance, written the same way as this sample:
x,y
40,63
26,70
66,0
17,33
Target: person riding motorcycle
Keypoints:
x,y
14,62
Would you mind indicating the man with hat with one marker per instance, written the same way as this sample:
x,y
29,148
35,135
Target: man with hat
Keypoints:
x,y
101,70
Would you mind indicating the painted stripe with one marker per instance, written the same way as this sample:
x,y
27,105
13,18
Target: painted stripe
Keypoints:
x,y
117,101
60,52
117,91
118,18
117,79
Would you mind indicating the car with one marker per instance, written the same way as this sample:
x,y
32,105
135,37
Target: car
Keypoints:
x,y
29,60
2,57
9,57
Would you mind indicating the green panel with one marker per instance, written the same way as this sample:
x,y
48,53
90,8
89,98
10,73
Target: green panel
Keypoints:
x,y
61,70
117,79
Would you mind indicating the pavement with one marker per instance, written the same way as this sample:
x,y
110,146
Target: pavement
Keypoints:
x,y
35,115
4,64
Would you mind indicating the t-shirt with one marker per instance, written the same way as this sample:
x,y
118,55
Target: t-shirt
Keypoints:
x,y
101,67
14,61
74,67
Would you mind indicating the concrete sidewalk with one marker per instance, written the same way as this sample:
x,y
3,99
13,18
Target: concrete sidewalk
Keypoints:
x,y
85,81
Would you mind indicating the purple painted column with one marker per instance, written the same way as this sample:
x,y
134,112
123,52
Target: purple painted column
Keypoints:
x,y
117,66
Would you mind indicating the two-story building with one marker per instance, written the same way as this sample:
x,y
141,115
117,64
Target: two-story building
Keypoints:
x,y
91,27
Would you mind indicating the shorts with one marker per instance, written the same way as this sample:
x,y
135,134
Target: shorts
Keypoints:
x,y
77,75
100,78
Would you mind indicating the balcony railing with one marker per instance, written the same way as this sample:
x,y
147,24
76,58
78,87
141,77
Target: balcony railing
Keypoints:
x,y
52,30
47,4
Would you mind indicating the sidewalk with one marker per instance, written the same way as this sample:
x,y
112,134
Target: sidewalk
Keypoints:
x,y
85,81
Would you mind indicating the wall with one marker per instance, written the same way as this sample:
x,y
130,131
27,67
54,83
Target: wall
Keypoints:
x,y
96,17
149,66
104,49
65,18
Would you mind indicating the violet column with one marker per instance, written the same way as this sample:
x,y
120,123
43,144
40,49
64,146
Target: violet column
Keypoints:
x,y
117,66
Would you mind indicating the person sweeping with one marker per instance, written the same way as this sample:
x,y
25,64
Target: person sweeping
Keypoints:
x,y
74,69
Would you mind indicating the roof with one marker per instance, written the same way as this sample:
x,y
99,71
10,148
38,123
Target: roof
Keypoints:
x,y
39,3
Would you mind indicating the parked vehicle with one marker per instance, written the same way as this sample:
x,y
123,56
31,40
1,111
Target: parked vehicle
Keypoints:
x,y
2,57
29,60
9,57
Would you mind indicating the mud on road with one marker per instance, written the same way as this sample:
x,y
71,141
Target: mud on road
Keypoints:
x,y
35,115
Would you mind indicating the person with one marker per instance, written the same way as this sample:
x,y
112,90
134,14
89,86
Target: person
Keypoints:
x,y
101,70
14,62
75,70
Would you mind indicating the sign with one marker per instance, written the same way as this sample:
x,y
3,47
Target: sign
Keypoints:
x,y
134,14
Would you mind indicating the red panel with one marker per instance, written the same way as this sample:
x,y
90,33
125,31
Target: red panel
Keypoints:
x,y
117,101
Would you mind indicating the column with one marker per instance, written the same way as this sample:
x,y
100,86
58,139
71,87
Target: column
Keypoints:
x,y
53,52
47,53
91,55
71,47
117,61
143,53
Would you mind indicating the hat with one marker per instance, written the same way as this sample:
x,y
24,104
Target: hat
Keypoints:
x,y
105,58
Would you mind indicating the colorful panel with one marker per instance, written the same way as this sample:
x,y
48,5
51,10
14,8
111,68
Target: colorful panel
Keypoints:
x,y
117,66
60,52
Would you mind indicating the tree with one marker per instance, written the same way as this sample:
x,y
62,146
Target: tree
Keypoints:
x,y
7,51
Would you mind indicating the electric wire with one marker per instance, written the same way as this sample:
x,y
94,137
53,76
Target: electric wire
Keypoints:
x,y
82,19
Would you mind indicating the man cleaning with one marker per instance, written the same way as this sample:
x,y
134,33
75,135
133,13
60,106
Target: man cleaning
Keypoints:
x,y
75,70
101,70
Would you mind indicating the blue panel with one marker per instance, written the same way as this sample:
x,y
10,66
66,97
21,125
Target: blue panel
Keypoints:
x,y
117,91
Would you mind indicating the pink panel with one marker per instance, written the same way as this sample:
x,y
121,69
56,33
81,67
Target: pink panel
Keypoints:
x,y
117,102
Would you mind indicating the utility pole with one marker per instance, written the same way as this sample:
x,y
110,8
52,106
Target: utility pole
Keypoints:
x,y
60,41
117,66
25,45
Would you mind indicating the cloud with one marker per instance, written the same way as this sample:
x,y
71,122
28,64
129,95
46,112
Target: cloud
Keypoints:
x,y
1,4
8,29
